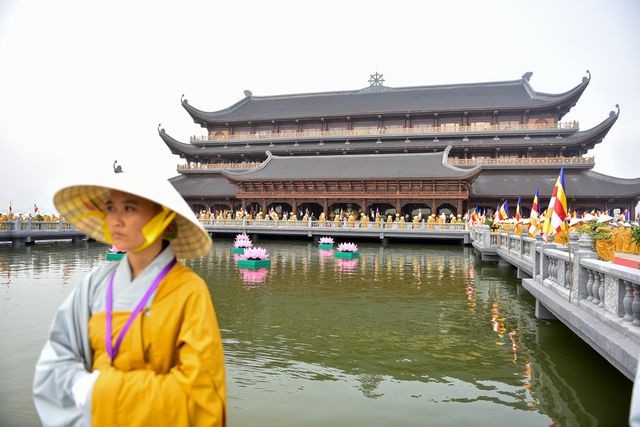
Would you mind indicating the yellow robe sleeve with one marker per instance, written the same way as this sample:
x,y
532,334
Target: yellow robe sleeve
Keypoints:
x,y
187,344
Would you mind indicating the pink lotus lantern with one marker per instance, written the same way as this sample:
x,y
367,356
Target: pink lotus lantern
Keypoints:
x,y
326,243
347,251
254,258
242,242
114,254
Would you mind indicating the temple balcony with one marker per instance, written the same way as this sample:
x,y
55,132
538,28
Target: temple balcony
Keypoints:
x,y
525,161
444,129
193,166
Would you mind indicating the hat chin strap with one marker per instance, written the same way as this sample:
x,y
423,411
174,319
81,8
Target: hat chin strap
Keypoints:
x,y
155,227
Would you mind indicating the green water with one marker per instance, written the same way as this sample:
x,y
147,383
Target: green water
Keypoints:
x,y
408,334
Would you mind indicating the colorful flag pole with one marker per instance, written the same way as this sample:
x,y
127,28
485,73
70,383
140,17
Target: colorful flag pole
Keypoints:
x,y
518,213
504,211
557,211
534,216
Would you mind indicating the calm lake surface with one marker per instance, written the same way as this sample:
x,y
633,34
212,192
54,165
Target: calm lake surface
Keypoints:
x,y
408,334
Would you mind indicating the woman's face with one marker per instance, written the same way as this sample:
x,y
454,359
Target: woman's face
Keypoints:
x,y
125,215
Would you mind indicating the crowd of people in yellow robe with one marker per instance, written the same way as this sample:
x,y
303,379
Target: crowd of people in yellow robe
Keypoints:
x,y
351,218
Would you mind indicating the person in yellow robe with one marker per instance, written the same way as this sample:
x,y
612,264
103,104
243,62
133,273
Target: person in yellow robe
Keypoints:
x,y
136,343
431,221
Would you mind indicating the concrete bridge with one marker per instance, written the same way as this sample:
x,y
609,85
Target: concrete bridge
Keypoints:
x,y
344,229
28,232
599,301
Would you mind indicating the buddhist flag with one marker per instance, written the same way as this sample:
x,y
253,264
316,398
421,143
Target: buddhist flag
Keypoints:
x,y
518,213
35,208
504,211
557,211
496,215
534,216
10,207
474,216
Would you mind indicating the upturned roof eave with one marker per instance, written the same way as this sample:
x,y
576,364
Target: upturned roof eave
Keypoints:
x,y
250,175
569,98
595,134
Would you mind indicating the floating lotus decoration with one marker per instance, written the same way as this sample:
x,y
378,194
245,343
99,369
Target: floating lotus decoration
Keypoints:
x,y
254,258
242,242
114,254
348,247
254,254
326,243
347,251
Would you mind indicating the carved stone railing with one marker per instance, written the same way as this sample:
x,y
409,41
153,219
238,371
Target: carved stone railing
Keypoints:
x,y
25,232
31,225
598,300
496,129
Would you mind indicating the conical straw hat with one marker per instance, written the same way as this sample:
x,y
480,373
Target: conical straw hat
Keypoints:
x,y
83,204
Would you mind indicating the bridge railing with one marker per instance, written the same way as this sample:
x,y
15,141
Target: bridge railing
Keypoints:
x,y
31,225
609,292
331,225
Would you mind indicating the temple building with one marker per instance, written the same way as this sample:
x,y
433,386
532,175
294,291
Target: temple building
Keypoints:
x,y
429,149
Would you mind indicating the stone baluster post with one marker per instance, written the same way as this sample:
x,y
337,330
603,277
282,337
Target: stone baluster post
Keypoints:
x,y
581,277
627,302
589,285
635,305
596,288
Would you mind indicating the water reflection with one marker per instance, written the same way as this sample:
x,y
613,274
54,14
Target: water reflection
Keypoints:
x,y
250,276
347,264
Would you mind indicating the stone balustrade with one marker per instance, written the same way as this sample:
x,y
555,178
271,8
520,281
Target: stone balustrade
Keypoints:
x,y
25,232
598,300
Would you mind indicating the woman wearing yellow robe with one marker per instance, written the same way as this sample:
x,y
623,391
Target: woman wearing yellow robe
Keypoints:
x,y
136,343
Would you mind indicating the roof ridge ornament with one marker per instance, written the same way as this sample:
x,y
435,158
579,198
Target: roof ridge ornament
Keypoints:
x,y
247,93
116,167
584,79
613,113
527,76
376,79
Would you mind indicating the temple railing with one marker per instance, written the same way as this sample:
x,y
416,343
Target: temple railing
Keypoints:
x,y
394,131
598,300
521,160
331,225
31,225
22,232
199,166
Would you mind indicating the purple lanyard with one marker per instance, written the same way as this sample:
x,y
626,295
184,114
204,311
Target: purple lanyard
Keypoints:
x,y
113,351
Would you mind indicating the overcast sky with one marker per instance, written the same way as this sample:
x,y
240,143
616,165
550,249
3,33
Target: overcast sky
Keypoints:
x,y
84,83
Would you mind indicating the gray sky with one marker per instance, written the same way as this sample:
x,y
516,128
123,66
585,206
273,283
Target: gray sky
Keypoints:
x,y
84,83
